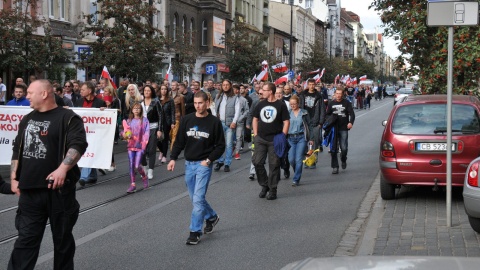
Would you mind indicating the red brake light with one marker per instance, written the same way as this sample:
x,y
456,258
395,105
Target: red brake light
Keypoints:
x,y
387,150
411,145
460,146
473,175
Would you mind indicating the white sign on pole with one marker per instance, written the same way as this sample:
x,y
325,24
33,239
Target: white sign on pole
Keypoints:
x,y
452,13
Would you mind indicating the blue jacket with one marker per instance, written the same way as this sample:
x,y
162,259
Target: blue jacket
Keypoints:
x,y
19,102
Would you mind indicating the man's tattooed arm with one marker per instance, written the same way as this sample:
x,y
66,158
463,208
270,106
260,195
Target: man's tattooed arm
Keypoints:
x,y
72,157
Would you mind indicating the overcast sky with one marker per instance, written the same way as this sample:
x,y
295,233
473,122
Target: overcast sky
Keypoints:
x,y
370,19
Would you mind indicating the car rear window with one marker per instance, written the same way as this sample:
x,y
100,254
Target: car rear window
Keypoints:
x,y
431,119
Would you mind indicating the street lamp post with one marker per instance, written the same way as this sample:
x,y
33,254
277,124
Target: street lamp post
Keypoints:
x,y
291,3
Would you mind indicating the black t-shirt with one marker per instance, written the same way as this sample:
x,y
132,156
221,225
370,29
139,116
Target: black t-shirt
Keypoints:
x,y
350,91
310,102
40,148
270,117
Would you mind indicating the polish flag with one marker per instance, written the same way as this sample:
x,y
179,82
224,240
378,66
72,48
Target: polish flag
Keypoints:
x,y
106,75
167,76
363,78
305,84
282,79
321,73
354,81
263,76
299,77
281,67
336,78
317,78
254,78
344,80
315,71
348,80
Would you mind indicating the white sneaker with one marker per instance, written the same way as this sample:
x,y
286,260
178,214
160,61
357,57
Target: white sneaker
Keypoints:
x,y
164,160
112,168
150,174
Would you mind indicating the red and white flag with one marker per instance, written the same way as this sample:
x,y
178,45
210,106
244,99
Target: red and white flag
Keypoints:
x,y
321,73
106,75
354,81
345,79
281,67
315,71
336,78
299,77
317,78
305,84
254,78
167,76
363,78
263,76
283,79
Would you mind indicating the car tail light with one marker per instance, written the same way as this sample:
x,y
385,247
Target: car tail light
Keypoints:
x,y
473,175
460,146
387,150
411,145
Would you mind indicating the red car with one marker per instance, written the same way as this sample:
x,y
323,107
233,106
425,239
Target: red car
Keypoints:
x,y
414,142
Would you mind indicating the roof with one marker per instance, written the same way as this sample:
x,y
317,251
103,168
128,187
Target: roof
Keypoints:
x,y
442,98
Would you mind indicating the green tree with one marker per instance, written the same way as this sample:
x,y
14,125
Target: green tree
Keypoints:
x,y
362,67
314,58
185,50
245,51
126,40
21,48
425,48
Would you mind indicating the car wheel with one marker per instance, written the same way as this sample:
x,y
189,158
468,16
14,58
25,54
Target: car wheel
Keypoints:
x,y
474,223
387,191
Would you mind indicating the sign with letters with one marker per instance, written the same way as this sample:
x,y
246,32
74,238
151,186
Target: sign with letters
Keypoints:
x,y
99,126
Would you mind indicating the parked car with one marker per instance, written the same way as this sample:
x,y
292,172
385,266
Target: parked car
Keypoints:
x,y
390,90
471,194
401,94
413,144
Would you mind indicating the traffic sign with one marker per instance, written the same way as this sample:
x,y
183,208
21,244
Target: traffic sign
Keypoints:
x,y
291,74
452,13
211,69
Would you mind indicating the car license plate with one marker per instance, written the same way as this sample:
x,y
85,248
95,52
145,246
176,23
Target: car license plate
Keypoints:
x,y
441,147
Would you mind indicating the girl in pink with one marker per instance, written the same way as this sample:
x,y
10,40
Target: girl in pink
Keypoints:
x,y
136,132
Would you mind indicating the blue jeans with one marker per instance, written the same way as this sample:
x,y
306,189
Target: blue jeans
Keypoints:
x,y
226,158
298,145
197,178
88,174
343,143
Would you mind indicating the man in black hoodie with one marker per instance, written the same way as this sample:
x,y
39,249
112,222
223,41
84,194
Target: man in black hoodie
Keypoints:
x,y
201,135
343,109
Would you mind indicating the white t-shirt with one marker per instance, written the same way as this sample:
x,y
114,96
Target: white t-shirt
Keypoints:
x,y
3,90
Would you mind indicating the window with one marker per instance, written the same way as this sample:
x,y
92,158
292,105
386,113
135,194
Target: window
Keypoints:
x,y
191,31
204,33
50,8
92,9
61,4
175,19
184,28
309,4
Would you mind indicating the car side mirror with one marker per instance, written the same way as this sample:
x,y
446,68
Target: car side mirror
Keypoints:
x,y
384,122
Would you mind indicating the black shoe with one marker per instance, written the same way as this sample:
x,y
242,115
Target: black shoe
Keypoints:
x,y
82,182
102,171
209,224
321,149
91,182
272,195
263,193
226,169
344,165
286,174
194,238
335,171
252,176
218,166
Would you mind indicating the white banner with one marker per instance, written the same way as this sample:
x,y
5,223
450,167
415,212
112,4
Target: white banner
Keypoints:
x,y
99,125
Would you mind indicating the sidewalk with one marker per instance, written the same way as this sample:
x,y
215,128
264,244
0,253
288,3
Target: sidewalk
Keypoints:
x,y
414,224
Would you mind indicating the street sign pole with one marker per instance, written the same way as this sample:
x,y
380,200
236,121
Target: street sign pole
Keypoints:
x,y
451,13
449,125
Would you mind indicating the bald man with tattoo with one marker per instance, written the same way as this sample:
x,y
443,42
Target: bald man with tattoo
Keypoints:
x,y
44,172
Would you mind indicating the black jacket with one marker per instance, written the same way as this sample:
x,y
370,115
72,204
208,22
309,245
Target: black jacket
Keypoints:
x,y
5,188
97,103
319,117
169,112
154,114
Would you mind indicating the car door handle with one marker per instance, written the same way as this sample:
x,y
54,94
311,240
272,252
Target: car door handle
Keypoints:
x,y
435,162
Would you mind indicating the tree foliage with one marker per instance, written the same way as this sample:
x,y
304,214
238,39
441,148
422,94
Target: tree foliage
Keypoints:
x,y
425,48
314,58
22,48
185,50
126,40
246,51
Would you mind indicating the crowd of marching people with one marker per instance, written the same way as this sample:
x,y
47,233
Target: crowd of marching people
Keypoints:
x,y
285,125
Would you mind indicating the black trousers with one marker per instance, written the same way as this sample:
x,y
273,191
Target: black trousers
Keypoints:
x,y
151,150
262,149
35,207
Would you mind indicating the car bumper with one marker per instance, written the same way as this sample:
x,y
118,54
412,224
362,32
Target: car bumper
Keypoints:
x,y
471,200
396,177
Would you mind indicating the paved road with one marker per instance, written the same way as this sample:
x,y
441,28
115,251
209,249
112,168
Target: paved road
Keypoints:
x,y
148,229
